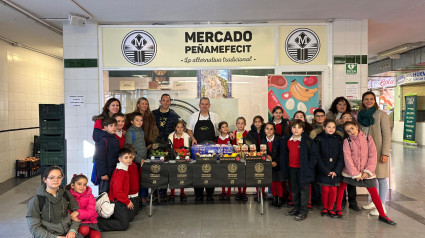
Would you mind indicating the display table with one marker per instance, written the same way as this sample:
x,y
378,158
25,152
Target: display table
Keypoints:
x,y
156,175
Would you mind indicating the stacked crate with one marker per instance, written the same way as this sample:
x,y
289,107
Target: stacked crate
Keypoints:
x,y
52,137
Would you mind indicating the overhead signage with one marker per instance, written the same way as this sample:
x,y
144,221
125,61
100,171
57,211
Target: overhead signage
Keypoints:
x,y
411,78
302,45
155,47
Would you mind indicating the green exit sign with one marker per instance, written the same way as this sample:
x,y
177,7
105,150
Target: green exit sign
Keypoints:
x,y
350,69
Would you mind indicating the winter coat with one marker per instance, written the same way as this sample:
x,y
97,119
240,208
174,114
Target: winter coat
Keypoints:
x,y
106,154
138,142
185,136
315,132
170,118
359,156
149,127
285,126
381,135
275,151
54,219
254,135
331,158
87,205
97,127
308,158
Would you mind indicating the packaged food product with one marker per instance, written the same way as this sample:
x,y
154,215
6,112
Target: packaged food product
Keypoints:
x,y
252,147
244,148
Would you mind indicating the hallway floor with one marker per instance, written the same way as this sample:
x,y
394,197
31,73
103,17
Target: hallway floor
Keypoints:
x,y
406,206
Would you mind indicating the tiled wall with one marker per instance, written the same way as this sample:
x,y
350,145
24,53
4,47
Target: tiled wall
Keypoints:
x,y
27,79
349,46
81,78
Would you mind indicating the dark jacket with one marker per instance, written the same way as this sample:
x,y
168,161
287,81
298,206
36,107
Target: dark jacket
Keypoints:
x,y
165,122
275,151
54,219
331,158
106,154
308,158
138,142
97,128
254,135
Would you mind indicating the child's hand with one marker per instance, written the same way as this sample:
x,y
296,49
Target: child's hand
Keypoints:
x,y
70,235
274,164
74,215
194,141
104,177
148,146
332,174
123,132
130,206
365,176
232,136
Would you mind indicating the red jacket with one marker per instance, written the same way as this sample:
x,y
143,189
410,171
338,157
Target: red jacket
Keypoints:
x,y
87,205
119,188
133,175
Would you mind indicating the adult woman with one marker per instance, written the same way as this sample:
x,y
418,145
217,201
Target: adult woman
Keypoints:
x,y
111,107
338,106
149,124
375,122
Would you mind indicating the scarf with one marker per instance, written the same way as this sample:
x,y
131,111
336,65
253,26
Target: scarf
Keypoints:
x,y
365,117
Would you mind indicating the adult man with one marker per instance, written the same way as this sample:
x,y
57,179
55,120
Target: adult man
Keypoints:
x,y
201,127
165,117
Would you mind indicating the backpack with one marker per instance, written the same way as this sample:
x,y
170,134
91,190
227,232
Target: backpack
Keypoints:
x,y
104,207
42,200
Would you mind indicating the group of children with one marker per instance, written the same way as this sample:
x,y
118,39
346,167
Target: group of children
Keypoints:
x,y
326,158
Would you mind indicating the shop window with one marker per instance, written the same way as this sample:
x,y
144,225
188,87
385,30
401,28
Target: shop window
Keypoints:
x,y
232,93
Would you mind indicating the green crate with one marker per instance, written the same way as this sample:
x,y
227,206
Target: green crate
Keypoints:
x,y
52,127
51,111
52,144
52,158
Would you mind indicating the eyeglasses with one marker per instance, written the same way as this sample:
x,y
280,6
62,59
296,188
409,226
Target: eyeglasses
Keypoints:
x,y
347,117
55,178
319,116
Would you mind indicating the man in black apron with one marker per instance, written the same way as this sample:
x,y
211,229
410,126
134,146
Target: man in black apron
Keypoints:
x,y
202,128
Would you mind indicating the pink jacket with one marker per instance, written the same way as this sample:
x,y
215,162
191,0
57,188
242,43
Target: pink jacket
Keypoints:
x,y
87,205
359,156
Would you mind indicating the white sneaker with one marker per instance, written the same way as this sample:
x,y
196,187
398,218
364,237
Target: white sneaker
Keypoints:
x,y
369,206
375,212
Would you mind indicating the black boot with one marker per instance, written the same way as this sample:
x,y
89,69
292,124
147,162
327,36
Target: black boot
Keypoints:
x,y
279,202
275,202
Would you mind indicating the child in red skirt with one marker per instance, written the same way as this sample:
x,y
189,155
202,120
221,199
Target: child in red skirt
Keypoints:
x,y
180,139
223,139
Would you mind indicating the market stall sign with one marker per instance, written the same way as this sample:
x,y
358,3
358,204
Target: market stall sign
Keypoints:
x,y
411,78
180,175
154,175
144,46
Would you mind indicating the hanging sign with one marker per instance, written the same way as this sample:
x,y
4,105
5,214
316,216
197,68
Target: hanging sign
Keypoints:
x,y
410,118
351,69
144,46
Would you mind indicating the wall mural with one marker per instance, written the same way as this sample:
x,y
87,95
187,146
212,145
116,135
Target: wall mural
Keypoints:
x,y
293,93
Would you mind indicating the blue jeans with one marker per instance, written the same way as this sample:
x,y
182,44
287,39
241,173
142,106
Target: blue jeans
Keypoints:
x,y
382,186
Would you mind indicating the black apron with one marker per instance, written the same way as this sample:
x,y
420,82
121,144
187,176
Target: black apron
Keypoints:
x,y
204,130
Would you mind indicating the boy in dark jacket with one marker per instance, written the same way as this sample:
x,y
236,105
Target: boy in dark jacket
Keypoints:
x,y
106,154
118,194
298,157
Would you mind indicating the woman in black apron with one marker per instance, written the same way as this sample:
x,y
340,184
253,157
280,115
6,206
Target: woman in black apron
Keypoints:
x,y
204,131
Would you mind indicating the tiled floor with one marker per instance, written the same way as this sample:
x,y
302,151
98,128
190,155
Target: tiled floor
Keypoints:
x,y
406,206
